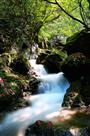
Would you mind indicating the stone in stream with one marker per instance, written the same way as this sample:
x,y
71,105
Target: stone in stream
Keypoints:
x,y
40,128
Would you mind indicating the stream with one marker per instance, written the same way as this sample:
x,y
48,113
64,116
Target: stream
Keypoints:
x,y
43,106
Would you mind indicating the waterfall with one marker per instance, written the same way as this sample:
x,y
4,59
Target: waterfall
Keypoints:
x,y
44,106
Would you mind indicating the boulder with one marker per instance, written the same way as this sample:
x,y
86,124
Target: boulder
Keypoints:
x,y
51,61
9,93
84,132
79,42
42,56
76,66
2,46
21,65
5,59
62,132
40,128
72,97
85,94
33,85
78,94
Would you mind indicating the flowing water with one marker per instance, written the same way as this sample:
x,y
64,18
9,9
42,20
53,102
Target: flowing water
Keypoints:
x,y
44,106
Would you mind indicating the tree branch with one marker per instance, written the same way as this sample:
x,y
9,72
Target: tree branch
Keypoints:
x,y
82,11
76,19
50,2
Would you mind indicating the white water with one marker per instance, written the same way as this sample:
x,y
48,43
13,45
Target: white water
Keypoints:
x,y
44,106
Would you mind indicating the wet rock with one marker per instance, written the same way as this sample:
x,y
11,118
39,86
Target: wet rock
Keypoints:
x,y
21,65
5,59
33,85
51,62
72,97
62,132
77,95
85,94
76,66
83,132
79,42
41,57
40,128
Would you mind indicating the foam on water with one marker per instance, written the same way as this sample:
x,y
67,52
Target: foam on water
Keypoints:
x,y
43,106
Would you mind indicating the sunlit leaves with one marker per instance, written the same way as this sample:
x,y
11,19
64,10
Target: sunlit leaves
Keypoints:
x,y
65,25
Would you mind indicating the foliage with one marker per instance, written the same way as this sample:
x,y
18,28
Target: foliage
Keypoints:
x,y
21,20
60,53
74,16
5,89
10,82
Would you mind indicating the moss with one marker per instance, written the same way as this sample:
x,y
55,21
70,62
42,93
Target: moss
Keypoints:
x,y
73,38
5,59
60,53
20,65
75,66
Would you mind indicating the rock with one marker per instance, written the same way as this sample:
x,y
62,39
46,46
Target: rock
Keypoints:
x,y
33,85
62,132
79,42
72,97
5,59
21,66
51,61
83,132
10,91
85,94
80,131
42,56
40,128
77,95
2,46
76,66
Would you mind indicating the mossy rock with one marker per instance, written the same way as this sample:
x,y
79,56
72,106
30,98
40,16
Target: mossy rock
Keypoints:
x,y
42,55
21,65
77,95
79,42
85,94
4,47
5,59
72,97
11,89
75,66
33,85
40,128
52,60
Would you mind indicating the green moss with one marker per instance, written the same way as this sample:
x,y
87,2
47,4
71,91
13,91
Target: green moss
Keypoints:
x,y
5,59
60,53
13,80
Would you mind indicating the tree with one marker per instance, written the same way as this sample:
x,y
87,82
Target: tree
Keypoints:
x,y
21,20
82,5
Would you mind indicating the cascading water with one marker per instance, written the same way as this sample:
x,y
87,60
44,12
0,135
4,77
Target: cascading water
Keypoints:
x,y
44,106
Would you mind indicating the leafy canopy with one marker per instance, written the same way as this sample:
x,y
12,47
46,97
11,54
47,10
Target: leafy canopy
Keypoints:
x,y
74,16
